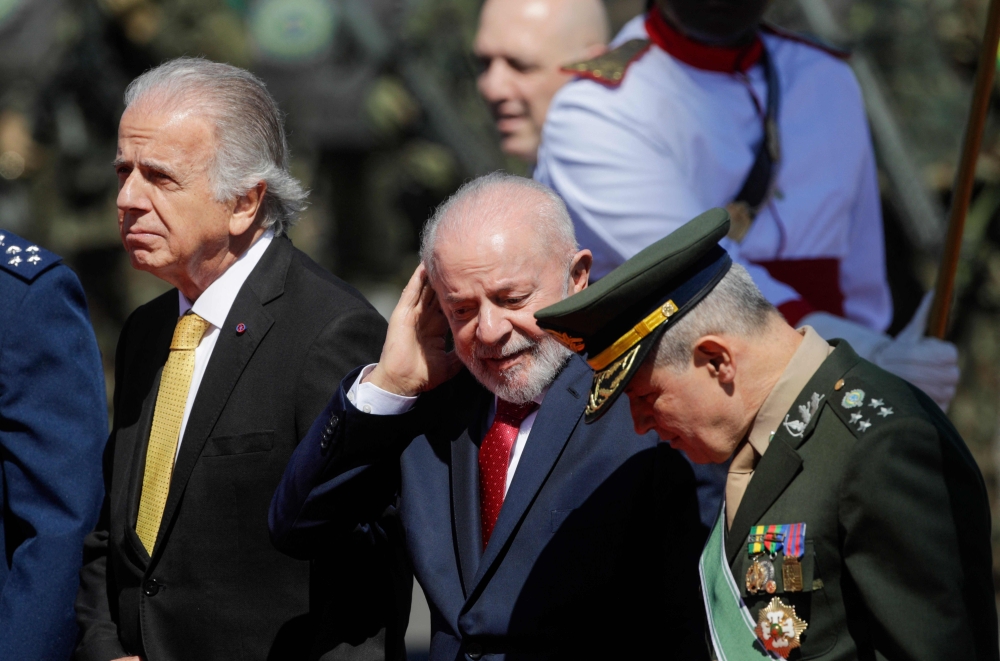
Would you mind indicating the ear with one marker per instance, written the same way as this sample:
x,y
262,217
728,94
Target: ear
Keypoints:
x,y
716,354
246,208
579,271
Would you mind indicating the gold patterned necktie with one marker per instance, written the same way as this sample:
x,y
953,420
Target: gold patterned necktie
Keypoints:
x,y
167,416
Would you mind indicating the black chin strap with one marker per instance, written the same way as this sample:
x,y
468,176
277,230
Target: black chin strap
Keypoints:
x,y
758,182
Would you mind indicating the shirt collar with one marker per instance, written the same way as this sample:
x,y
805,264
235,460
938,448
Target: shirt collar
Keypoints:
x,y
697,54
804,363
214,303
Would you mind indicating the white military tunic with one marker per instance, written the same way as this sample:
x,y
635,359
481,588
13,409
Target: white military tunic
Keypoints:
x,y
636,160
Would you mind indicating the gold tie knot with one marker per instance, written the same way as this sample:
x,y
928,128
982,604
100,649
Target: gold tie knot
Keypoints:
x,y
188,332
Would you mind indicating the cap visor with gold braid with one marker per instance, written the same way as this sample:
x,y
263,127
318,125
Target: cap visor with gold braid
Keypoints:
x,y
619,318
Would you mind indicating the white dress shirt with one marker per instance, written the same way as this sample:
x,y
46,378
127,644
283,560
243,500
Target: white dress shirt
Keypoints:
x,y
634,162
369,398
213,306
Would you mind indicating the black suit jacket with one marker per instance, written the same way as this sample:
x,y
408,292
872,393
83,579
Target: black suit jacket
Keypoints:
x,y
594,552
214,587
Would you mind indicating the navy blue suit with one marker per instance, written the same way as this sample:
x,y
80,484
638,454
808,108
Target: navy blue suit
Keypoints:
x,y
594,550
53,427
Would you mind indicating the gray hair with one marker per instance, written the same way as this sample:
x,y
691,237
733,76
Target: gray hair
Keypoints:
x,y
249,127
734,307
488,198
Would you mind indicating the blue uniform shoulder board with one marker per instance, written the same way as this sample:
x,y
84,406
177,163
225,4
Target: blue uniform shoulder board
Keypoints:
x,y
23,258
808,40
609,68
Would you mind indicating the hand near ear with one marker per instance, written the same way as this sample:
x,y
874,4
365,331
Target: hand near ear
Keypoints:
x,y
414,359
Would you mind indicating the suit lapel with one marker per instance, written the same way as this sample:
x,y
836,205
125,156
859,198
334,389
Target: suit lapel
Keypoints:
x,y
781,463
157,342
230,356
557,418
465,494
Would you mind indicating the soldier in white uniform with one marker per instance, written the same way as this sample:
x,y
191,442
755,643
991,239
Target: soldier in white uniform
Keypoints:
x,y
699,105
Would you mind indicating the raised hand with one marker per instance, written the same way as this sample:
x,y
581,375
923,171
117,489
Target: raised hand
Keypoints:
x,y
414,359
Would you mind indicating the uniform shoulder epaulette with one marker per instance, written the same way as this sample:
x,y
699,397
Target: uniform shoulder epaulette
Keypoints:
x,y
862,405
808,40
610,67
23,258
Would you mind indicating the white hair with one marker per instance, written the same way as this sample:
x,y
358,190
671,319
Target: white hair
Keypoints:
x,y
249,127
489,198
734,307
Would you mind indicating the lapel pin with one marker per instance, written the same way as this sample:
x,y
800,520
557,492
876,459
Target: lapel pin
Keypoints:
x,y
241,328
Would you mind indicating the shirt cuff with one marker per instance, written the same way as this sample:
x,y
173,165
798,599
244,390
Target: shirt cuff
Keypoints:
x,y
369,398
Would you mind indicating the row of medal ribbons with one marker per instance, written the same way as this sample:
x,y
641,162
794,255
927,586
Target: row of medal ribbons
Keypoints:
x,y
763,546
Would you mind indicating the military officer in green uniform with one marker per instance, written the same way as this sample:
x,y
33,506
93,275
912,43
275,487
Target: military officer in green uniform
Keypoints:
x,y
856,523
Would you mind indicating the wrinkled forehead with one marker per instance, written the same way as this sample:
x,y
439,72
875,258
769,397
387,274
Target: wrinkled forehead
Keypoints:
x,y
176,94
490,256
160,136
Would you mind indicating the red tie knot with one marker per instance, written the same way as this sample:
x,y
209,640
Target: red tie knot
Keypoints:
x,y
514,414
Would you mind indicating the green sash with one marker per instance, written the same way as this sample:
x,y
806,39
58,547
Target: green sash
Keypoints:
x,y
733,631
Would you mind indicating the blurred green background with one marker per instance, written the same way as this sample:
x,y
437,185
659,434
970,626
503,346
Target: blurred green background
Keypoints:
x,y
385,122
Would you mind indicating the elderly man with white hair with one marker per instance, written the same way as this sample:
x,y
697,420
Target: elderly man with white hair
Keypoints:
x,y
533,535
215,383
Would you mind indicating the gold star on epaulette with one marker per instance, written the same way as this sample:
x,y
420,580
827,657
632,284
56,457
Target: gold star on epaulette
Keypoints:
x,y
610,67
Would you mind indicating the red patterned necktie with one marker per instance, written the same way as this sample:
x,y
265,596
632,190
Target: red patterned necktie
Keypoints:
x,y
494,458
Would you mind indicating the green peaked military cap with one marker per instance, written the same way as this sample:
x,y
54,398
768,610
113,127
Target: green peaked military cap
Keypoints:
x,y
619,318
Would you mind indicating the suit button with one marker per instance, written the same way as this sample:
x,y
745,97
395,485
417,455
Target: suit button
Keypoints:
x,y
327,436
151,587
474,650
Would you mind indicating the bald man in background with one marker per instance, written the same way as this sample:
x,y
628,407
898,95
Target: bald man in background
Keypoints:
x,y
521,46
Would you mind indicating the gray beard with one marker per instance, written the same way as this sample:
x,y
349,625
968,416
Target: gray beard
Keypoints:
x,y
525,381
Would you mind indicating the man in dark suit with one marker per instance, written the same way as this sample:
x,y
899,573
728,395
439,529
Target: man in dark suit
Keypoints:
x,y
216,382
856,522
532,535
53,425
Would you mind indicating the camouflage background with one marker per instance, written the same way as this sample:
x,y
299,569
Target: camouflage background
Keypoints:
x,y
385,122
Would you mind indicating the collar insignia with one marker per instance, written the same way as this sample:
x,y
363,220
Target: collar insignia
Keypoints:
x,y
574,344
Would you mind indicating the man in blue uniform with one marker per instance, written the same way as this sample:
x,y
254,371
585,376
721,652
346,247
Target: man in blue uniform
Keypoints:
x,y
53,425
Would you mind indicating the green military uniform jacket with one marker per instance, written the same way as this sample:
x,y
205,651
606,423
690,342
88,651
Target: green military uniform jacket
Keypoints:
x,y
897,561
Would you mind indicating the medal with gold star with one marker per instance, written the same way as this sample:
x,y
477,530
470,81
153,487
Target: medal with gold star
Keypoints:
x,y
779,628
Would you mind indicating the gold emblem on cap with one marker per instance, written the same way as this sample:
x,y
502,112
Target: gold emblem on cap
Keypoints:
x,y
574,344
607,381
633,336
